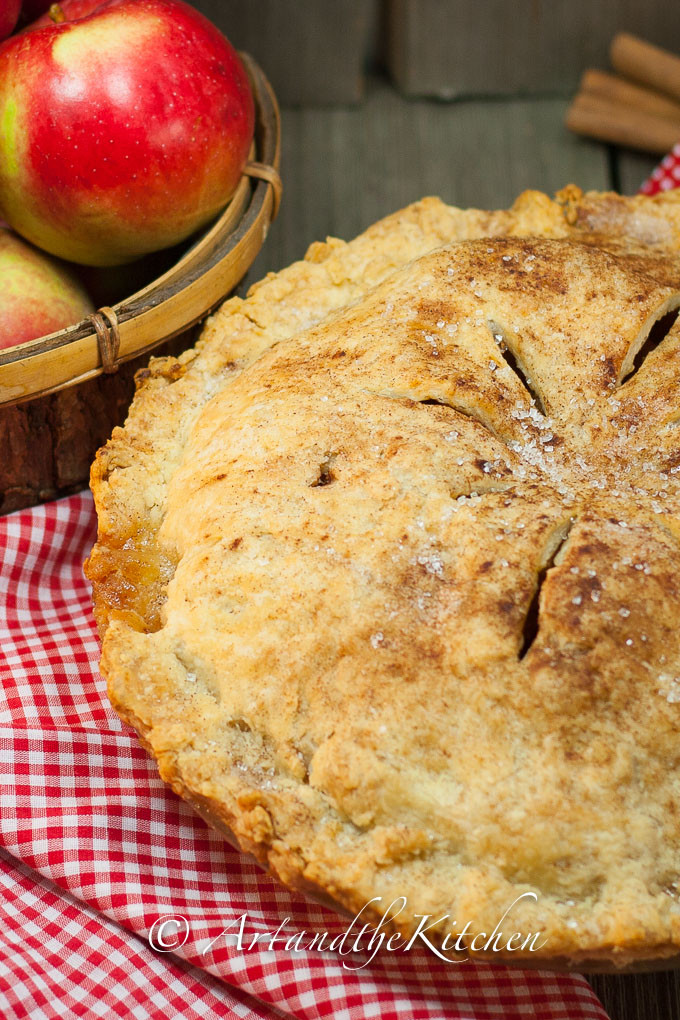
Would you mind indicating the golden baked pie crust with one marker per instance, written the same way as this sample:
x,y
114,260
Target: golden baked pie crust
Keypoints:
x,y
387,570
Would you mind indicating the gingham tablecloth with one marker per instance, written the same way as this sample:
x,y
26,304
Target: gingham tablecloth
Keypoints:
x,y
117,900
666,176
98,857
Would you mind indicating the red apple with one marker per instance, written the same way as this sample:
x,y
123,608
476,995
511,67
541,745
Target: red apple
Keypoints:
x,y
39,295
121,131
9,15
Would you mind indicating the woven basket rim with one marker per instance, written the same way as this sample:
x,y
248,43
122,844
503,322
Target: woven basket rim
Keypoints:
x,y
174,301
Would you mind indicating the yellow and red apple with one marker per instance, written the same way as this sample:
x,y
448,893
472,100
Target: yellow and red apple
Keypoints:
x,y
124,127
39,295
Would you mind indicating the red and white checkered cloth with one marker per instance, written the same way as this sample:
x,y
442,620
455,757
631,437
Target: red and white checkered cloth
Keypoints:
x,y
116,896
666,176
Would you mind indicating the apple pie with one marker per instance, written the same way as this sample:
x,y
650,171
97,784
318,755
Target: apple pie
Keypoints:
x,y
388,573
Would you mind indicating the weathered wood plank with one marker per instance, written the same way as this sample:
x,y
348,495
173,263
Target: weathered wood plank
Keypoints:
x,y
639,996
313,53
633,169
343,169
472,48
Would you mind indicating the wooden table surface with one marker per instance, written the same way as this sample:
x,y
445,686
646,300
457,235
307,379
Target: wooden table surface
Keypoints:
x,y
344,168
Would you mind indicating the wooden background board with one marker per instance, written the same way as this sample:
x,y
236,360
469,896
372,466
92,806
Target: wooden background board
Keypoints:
x,y
445,48
315,52
631,169
318,53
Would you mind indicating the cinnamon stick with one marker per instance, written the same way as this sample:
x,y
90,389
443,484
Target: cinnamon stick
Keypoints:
x,y
650,65
625,93
609,121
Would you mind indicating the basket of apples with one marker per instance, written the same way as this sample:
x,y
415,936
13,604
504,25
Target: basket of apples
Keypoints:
x,y
138,177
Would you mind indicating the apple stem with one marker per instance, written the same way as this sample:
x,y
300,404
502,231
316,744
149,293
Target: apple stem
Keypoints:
x,y
56,14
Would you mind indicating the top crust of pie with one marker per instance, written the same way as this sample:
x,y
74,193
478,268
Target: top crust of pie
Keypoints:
x,y
387,571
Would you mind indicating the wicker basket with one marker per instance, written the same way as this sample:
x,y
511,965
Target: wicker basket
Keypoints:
x,y
61,395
